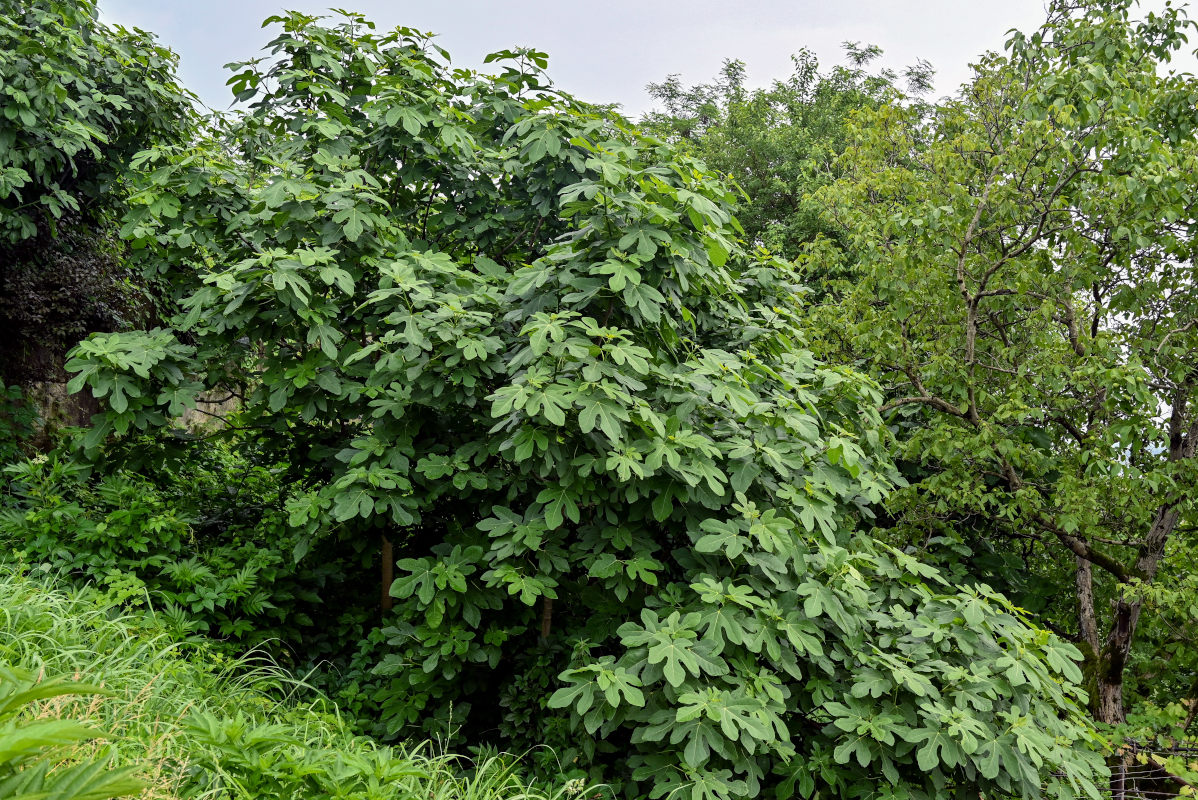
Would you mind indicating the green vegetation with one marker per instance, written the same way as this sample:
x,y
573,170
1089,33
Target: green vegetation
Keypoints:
x,y
205,542
524,434
186,721
79,100
599,452
28,767
781,143
1048,398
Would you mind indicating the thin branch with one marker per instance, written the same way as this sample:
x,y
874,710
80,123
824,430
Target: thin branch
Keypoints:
x,y
934,402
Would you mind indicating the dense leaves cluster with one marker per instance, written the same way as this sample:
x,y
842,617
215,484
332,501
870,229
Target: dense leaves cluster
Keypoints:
x,y
205,543
18,419
80,99
77,101
499,334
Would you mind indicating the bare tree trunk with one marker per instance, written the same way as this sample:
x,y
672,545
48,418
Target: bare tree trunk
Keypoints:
x,y
1107,686
546,619
1086,617
1109,703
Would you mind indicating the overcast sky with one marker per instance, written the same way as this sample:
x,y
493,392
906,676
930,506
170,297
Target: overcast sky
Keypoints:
x,y
607,52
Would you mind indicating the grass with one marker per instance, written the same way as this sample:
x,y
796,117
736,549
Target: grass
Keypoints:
x,y
198,725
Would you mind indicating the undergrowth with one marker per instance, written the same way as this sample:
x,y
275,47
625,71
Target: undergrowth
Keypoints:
x,y
198,724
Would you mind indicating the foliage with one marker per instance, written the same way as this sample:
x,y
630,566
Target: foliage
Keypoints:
x,y
205,542
1047,393
780,143
79,99
18,422
1161,671
33,763
210,727
503,333
75,111
1154,749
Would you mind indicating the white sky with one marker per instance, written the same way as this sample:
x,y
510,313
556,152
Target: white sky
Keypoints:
x,y
607,52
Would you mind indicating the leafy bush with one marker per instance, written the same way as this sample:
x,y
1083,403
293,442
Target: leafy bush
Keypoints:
x,y
210,727
76,109
515,340
207,543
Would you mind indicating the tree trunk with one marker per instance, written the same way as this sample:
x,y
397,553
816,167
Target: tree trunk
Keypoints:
x,y
1087,619
1108,704
387,576
1113,658
546,620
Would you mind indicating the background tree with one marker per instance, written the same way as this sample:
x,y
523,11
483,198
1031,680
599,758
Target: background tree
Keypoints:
x,y
500,336
779,143
1027,298
79,99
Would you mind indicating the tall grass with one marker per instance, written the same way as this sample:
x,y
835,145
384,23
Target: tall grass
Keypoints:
x,y
198,725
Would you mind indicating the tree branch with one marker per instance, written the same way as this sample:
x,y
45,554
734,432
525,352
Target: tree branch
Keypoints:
x,y
934,402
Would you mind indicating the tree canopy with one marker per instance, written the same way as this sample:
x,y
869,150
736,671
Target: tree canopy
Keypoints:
x,y
780,143
1046,394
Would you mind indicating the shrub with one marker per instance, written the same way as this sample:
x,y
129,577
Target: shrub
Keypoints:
x,y
206,543
18,422
80,99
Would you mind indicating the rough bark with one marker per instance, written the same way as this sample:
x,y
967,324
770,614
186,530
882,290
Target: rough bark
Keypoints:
x,y
1087,618
1108,704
